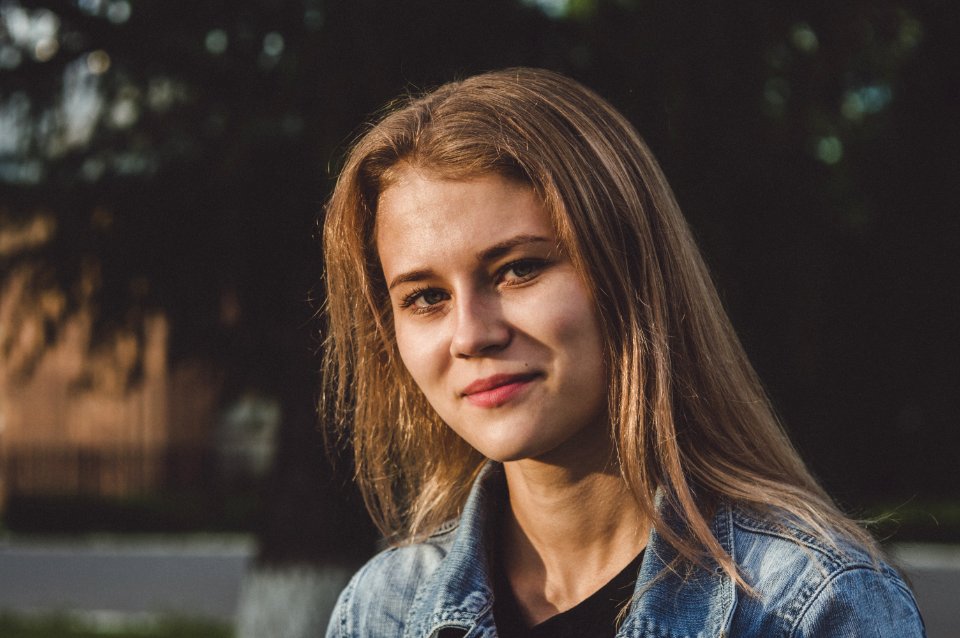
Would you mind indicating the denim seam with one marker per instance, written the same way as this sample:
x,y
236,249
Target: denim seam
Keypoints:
x,y
829,555
347,601
817,591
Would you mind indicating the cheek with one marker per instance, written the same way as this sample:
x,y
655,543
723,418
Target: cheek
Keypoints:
x,y
417,354
426,365
407,350
575,326
576,335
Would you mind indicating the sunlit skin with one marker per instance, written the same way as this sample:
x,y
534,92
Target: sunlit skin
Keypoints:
x,y
501,334
491,319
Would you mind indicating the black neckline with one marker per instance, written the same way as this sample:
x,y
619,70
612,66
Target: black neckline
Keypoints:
x,y
596,615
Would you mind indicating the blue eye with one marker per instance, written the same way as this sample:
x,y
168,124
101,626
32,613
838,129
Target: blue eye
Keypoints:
x,y
423,299
430,297
521,270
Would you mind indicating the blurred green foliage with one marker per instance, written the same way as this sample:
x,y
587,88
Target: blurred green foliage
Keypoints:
x,y
915,521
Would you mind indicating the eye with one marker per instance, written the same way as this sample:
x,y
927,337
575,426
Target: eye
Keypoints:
x,y
423,299
430,297
520,271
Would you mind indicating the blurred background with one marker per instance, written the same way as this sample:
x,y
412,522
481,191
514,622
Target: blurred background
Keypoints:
x,y
163,167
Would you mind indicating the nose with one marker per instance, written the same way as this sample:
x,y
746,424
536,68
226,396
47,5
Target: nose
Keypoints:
x,y
480,327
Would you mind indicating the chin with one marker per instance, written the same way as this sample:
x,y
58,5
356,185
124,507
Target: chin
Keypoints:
x,y
511,453
507,457
505,442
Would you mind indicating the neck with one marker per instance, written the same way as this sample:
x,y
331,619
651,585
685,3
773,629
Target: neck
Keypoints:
x,y
568,530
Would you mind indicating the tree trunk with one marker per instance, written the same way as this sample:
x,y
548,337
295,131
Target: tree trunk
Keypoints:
x,y
314,531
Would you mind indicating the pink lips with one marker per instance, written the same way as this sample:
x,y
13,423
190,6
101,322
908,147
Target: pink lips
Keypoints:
x,y
496,390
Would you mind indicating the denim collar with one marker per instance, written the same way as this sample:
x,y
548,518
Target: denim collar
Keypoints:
x,y
458,593
667,603
689,600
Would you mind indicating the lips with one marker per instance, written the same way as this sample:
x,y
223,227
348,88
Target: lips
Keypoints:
x,y
494,391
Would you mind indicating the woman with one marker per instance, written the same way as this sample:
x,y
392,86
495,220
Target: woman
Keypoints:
x,y
554,424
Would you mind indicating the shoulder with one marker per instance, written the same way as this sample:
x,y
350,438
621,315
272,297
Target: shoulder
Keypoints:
x,y
376,600
807,586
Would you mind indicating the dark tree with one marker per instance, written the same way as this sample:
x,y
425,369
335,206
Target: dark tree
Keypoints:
x,y
811,144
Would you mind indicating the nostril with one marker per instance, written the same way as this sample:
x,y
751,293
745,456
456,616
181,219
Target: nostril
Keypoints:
x,y
479,331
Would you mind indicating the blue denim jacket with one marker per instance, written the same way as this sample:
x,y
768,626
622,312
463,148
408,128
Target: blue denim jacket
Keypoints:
x,y
804,587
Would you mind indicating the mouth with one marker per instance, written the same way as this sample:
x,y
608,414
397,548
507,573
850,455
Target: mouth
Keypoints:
x,y
494,391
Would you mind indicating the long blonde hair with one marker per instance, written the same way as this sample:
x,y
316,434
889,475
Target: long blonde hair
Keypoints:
x,y
688,415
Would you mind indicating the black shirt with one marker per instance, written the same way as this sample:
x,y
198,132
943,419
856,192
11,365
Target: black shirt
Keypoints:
x,y
595,617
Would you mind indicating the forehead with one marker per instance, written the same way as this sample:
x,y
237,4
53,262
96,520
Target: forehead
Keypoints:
x,y
422,216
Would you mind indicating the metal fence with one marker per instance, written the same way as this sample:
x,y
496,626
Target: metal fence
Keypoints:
x,y
34,471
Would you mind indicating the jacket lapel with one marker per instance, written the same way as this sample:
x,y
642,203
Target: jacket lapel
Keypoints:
x,y
458,594
670,601
682,601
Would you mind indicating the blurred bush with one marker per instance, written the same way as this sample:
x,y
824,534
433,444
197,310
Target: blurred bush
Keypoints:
x,y
932,522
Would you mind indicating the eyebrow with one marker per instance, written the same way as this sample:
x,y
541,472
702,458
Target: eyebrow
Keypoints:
x,y
502,248
487,254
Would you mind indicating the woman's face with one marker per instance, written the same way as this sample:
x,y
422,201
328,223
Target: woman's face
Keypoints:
x,y
492,321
